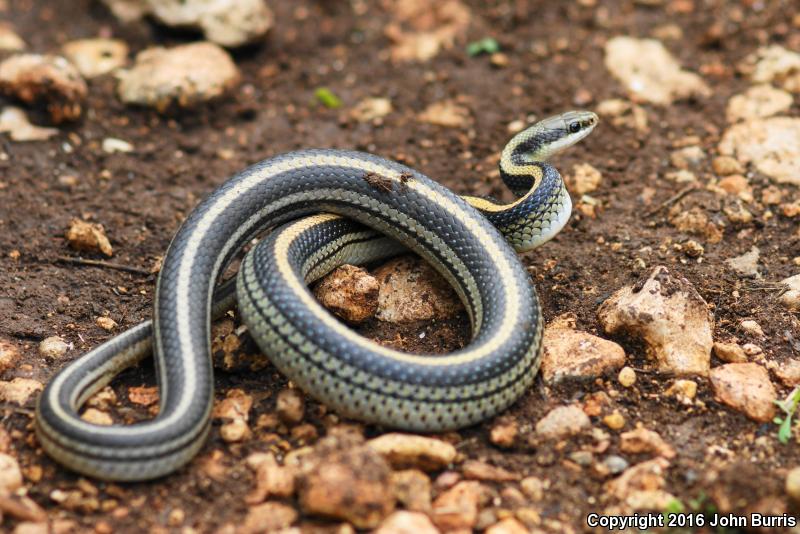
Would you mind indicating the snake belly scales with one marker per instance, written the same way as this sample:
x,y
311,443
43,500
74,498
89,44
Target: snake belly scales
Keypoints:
x,y
324,208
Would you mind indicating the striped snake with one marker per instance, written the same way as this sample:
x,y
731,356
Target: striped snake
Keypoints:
x,y
325,208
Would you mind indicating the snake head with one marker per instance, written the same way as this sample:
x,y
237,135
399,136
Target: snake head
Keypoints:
x,y
551,135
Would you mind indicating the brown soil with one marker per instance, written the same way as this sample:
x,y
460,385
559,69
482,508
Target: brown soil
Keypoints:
x,y
141,198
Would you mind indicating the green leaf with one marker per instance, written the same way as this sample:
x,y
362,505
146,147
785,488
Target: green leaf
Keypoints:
x,y
326,97
789,407
785,431
487,45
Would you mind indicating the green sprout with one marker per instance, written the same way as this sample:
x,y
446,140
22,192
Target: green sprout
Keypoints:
x,y
327,98
788,406
487,45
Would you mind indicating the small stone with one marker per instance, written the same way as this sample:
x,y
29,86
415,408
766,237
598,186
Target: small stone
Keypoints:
x,y
272,479
476,470
51,81
736,184
582,458
683,390
757,102
584,179
290,405
669,315
693,249
624,114
745,387
234,431
457,508
112,145
644,476
504,433
231,23
372,109
53,347
15,122
627,377
752,328
95,57
403,522
746,264
9,40
508,525
412,489
774,64
185,76
771,144
106,323
726,165
143,396
681,176
97,417
446,113
9,356
788,372
562,422
642,440
791,297
570,354
695,221
267,517
10,475
19,390
737,213
104,399
412,290
791,209
614,420
615,464
349,292
127,11
793,484
751,349
729,352
771,195
408,450
650,72
534,488
687,157
89,237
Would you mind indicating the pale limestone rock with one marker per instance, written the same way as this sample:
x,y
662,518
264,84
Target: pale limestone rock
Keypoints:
x,y
90,237
562,422
791,298
747,263
650,72
408,450
584,179
19,390
774,64
53,347
730,352
9,40
669,315
772,145
745,387
9,356
457,508
14,121
349,292
788,372
758,102
446,113
95,57
10,475
404,522
642,440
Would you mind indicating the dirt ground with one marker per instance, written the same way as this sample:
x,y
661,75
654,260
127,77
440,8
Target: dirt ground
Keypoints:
x,y
554,53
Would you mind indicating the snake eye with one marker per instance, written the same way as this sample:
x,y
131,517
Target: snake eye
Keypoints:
x,y
574,127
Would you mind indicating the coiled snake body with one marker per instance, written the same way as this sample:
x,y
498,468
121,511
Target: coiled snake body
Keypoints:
x,y
325,208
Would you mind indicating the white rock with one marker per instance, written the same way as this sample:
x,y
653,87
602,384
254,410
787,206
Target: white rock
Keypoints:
x,y
584,179
650,72
791,298
9,40
53,347
775,64
127,10
752,328
562,422
771,144
745,387
409,450
404,522
95,57
349,292
9,355
111,145
19,390
669,315
746,264
228,23
10,475
15,122
757,102
184,75
793,484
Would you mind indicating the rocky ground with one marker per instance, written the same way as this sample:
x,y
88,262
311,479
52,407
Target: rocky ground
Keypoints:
x,y
672,349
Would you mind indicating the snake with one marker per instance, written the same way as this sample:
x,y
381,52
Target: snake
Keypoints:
x,y
311,211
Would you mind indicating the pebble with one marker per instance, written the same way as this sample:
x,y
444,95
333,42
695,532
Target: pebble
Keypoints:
x,y
290,405
582,458
184,76
9,355
106,323
774,64
127,11
687,157
412,488
736,184
272,479
345,479
446,113
53,347
267,517
230,23
757,102
683,390
412,290
791,297
788,372
14,121
614,420
372,109
111,145
726,165
745,387
729,352
584,179
508,525
97,417
9,40
695,221
669,315
642,440
89,237
746,264
571,354
477,470
791,209
627,377
562,422
457,508
615,464
408,450
48,80
650,72
95,57
771,144
421,30
624,114
143,396
504,433
10,475
349,292
752,328
644,476
235,408
534,488
404,522
19,390
793,484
